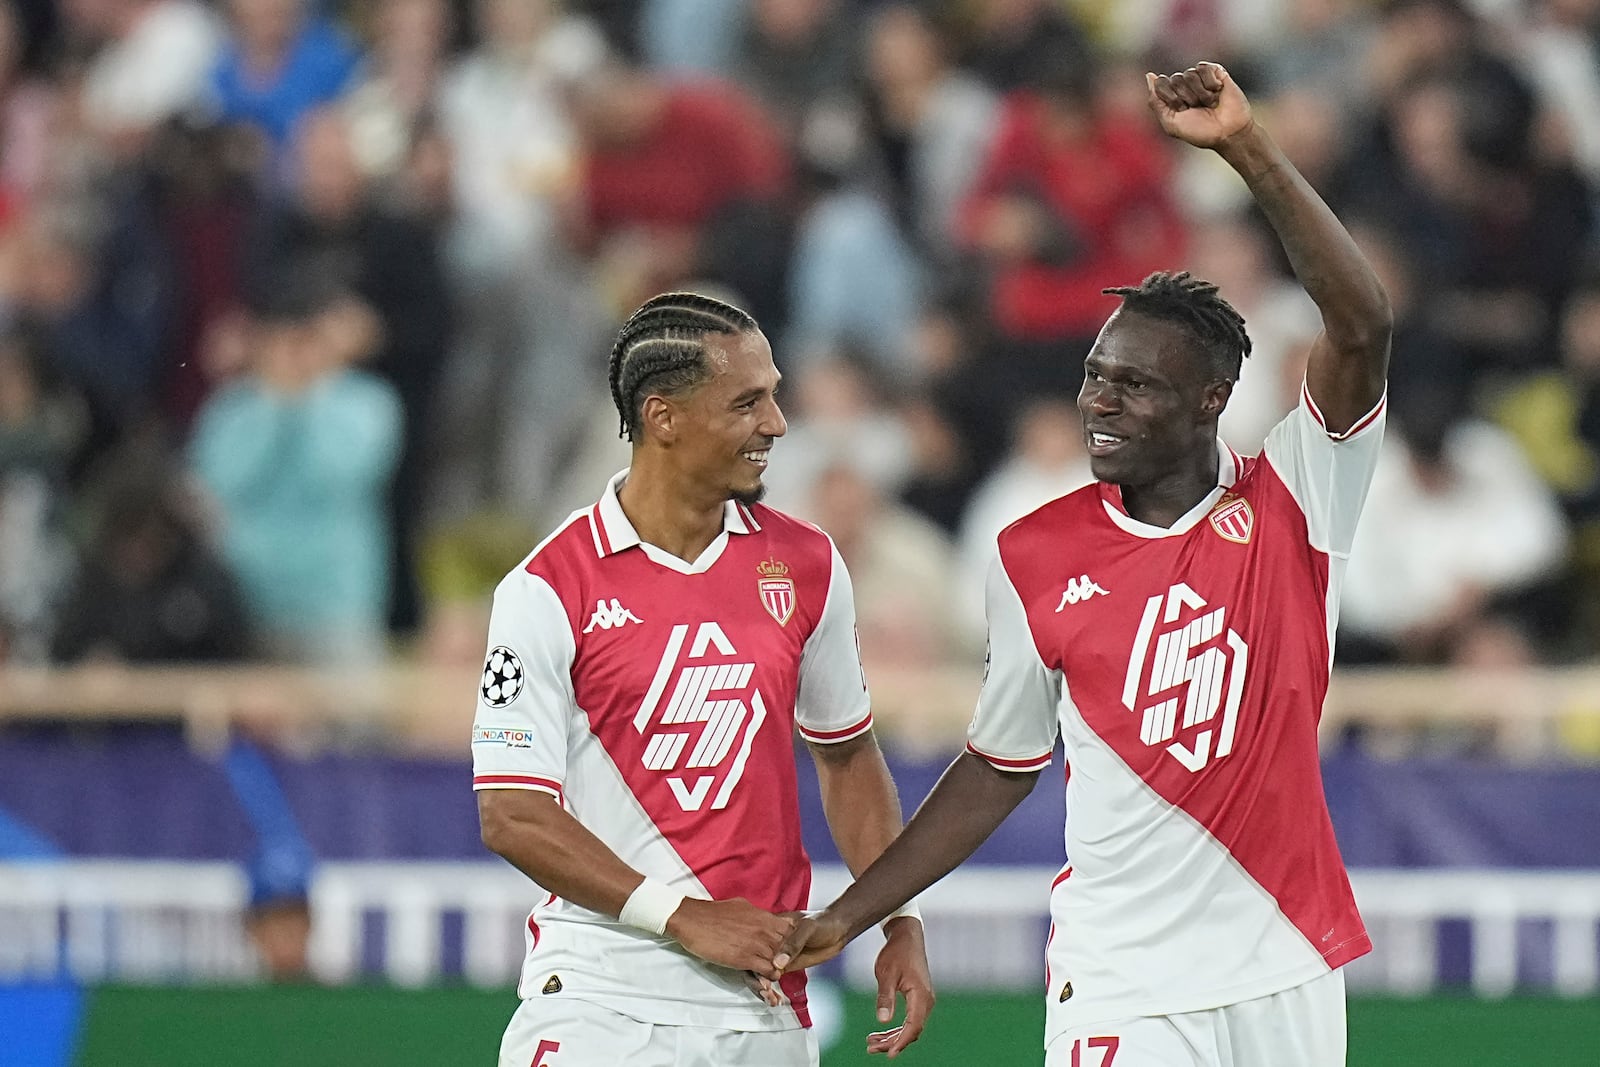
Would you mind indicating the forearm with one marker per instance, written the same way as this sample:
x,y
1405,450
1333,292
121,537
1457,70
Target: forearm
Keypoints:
x,y
970,801
1335,274
548,845
859,800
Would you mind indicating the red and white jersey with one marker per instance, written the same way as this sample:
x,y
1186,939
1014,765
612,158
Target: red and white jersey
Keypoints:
x,y
658,700
1185,671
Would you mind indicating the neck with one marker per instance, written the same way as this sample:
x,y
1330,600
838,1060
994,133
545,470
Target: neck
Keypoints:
x,y
668,510
1167,499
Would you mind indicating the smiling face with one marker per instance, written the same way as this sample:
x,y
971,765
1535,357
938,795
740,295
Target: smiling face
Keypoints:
x,y
721,431
1149,401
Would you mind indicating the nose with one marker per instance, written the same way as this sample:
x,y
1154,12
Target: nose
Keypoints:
x,y
773,424
1100,398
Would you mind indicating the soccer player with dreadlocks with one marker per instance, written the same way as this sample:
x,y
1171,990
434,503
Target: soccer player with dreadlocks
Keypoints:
x,y
633,750
1173,626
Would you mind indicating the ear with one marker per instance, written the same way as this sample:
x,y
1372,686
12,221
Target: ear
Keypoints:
x,y
1215,398
659,418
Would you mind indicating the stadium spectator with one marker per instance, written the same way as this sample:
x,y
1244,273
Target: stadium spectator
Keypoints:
x,y
149,588
299,454
931,124
840,415
903,569
1046,461
659,902
529,317
798,55
1233,253
39,428
392,264
155,65
680,180
1556,418
1067,198
1007,42
392,100
1228,566
282,60
1458,522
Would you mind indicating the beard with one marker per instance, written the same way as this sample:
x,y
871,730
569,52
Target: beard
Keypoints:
x,y
747,497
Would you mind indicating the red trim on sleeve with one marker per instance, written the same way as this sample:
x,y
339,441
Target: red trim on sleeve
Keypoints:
x,y
1066,872
1366,420
516,781
1038,763
1361,423
823,737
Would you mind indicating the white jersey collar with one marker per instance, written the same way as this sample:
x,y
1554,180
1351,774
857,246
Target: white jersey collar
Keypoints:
x,y
1228,467
613,532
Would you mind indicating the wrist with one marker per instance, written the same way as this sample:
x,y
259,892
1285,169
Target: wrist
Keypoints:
x,y
651,906
908,911
1249,151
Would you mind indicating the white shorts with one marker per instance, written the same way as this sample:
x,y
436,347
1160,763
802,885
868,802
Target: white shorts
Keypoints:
x,y
575,1033
1303,1027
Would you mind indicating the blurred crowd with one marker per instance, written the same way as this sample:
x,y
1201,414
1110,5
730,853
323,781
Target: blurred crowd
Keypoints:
x,y
305,306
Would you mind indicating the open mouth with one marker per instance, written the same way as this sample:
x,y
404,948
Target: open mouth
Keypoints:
x,y
1103,444
757,456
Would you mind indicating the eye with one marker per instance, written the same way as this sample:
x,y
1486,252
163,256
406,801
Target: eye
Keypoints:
x,y
1093,376
1136,386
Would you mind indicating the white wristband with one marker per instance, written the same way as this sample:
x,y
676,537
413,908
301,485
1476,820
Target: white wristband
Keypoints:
x,y
650,906
908,909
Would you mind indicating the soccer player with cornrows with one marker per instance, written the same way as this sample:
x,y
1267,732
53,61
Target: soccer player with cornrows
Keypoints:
x,y
633,748
1172,624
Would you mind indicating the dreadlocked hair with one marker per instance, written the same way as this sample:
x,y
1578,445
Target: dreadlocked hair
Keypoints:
x,y
661,349
1192,302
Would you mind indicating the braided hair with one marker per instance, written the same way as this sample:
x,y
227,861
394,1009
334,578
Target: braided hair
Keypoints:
x,y
661,349
1192,302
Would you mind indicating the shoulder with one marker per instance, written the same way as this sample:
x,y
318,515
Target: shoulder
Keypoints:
x,y
1046,522
780,532
567,553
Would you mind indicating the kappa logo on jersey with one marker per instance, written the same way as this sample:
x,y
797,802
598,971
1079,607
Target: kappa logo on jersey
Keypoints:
x,y
1197,663
607,616
502,678
1233,519
1080,589
712,705
776,589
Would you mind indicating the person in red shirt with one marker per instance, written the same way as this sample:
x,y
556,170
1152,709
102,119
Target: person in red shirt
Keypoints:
x,y
680,180
1068,196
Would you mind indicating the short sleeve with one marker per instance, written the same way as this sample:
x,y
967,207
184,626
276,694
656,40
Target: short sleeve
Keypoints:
x,y
525,698
832,704
1327,473
1015,725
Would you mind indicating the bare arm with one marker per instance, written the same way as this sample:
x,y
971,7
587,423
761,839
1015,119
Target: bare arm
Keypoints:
x,y
1350,357
971,800
532,832
859,799
863,810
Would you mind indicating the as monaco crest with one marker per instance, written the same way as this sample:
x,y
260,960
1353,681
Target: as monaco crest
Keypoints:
x,y
1233,519
777,590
